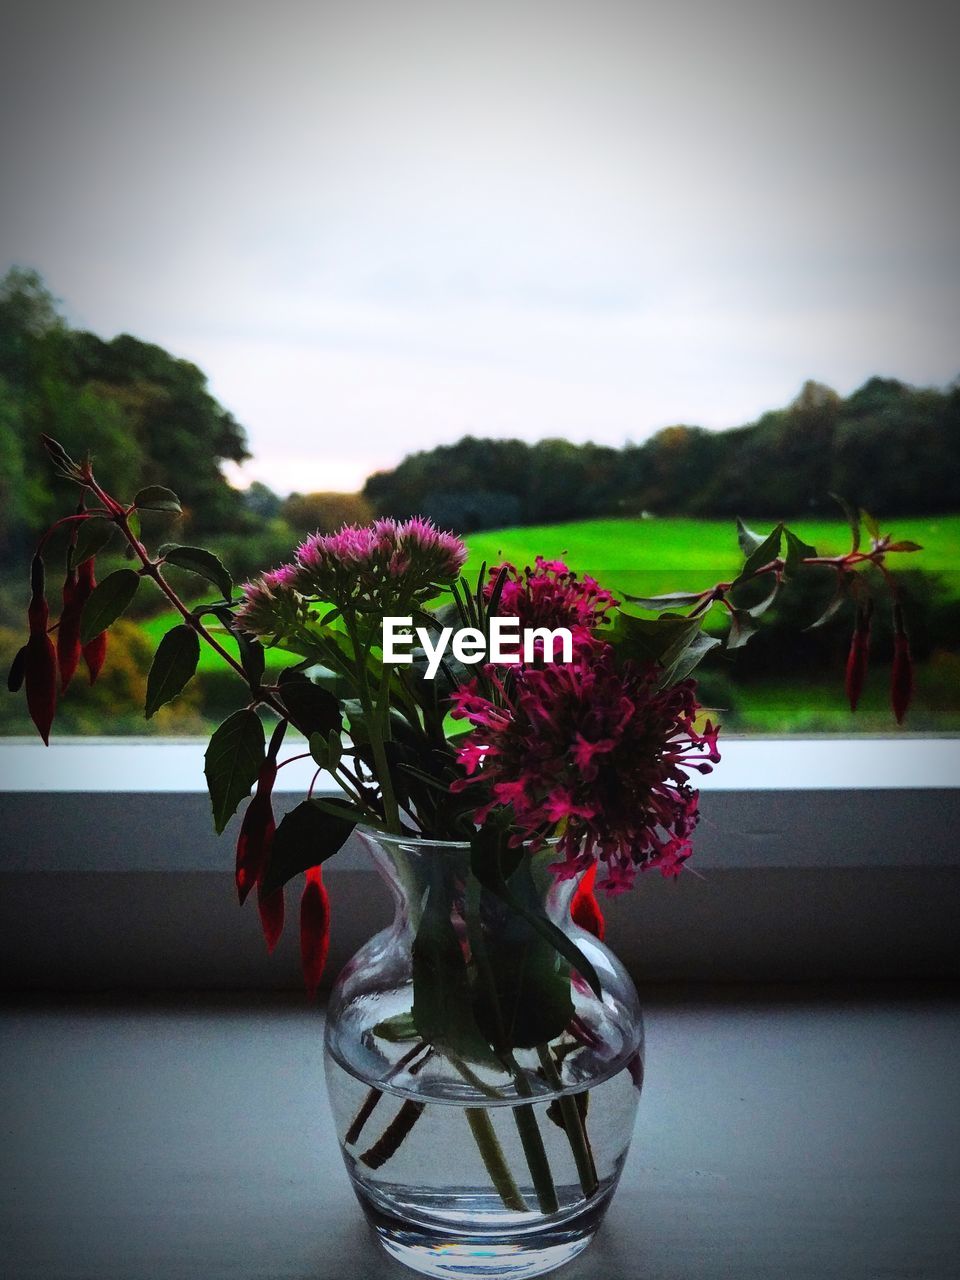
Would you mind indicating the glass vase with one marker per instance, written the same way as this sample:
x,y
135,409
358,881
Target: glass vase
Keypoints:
x,y
484,1094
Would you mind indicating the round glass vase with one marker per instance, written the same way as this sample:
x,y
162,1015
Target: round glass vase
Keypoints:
x,y
484,1095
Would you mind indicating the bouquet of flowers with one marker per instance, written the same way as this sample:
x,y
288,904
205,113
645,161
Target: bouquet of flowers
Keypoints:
x,y
593,750
524,714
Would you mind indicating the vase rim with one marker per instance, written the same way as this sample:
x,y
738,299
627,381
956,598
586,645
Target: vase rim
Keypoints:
x,y
390,837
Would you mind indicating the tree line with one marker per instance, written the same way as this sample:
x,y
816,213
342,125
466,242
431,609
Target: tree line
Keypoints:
x,y
888,446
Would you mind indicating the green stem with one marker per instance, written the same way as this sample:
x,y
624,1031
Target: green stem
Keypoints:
x,y
573,1125
391,811
524,1115
481,1126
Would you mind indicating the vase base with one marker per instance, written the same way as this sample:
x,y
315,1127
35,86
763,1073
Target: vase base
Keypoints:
x,y
513,1256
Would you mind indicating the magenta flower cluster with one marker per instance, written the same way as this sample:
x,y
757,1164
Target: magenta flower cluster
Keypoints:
x,y
551,595
598,749
388,564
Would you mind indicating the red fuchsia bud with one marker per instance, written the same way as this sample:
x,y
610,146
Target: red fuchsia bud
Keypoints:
x,y
859,655
314,929
95,650
256,832
585,909
272,911
40,659
68,632
901,677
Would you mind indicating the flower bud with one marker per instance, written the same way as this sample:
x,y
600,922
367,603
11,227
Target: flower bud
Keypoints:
x,y
95,650
585,910
901,677
314,929
40,659
256,833
858,656
68,632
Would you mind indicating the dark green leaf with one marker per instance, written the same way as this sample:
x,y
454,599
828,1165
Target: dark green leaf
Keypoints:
x,y
837,601
92,537
17,670
870,524
762,554
442,995
156,498
485,863
306,838
672,600
904,546
691,657
748,540
742,627
312,709
652,639
201,562
853,519
107,602
797,551
232,762
527,1001
173,666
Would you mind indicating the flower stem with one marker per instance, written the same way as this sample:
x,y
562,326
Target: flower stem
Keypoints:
x,y
573,1125
484,1135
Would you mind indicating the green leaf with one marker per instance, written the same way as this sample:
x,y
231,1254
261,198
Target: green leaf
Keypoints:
x,y
742,627
174,665
652,639
748,540
853,519
691,657
837,601
306,838
672,600
442,995
252,657
107,602
529,1001
231,763
202,562
156,498
397,1030
92,536
870,524
486,865
797,550
762,554
905,545
312,709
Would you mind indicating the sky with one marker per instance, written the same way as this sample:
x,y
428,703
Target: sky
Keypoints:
x,y
379,226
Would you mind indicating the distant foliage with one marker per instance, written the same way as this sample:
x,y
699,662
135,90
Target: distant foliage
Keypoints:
x,y
889,447
324,512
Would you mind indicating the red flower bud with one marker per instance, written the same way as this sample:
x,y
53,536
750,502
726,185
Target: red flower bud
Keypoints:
x,y
314,929
256,832
585,909
40,659
68,632
271,910
95,650
858,656
901,678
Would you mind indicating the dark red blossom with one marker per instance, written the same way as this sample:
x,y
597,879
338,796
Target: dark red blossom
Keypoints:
x,y
551,595
40,658
585,909
256,832
314,929
595,752
858,656
95,650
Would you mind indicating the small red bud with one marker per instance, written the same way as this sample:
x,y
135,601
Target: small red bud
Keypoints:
x,y
68,632
256,833
95,650
585,909
271,910
314,929
859,656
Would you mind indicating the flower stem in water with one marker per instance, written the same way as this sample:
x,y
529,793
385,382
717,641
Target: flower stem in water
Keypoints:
x,y
481,1126
573,1125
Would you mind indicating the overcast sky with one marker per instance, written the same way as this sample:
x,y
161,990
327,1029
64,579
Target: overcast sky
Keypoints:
x,y
379,225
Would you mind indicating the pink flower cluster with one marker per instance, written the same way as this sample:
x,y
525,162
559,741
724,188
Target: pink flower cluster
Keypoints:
x,y
552,595
596,751
388,563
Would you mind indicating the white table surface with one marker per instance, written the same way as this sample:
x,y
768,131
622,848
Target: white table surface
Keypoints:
x,y
780,1136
